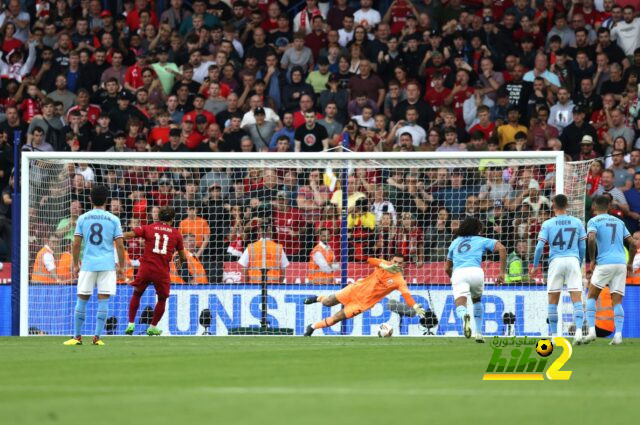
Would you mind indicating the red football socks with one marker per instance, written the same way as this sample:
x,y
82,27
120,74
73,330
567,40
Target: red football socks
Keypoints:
x,y
158,311
134,304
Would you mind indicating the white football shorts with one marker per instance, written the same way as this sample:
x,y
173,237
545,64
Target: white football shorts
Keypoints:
x,y
614,275
564,271
104,280
467,281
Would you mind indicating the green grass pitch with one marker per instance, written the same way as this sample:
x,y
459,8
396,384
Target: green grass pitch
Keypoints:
x,y
274,380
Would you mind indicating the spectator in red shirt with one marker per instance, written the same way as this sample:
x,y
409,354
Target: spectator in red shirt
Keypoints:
x,y
270,23
133,77
288,223
10,43
201,128
133,131
434,63
139,204
485,125
135,247
397,14
545,17
593,177
163,195
529,29
437,93
198,109
159,134
495,8
191,137
30,106
306,104
606,13
600,119
408,239
133,17
510,62
82,104
587,10
461,92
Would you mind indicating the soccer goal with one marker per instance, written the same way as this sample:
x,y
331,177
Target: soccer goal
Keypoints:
x,y
328,211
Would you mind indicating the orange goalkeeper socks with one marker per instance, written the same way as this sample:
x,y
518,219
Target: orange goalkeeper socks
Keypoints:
x,y
329,321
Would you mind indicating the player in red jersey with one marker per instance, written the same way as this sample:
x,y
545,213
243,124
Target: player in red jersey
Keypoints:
x,y
161,240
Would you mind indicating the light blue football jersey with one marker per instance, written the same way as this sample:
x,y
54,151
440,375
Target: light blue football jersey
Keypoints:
x,y
98,228
563,234
610,235
467,251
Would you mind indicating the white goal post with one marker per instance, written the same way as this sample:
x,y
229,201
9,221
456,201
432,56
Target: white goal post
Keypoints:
x,y
47,307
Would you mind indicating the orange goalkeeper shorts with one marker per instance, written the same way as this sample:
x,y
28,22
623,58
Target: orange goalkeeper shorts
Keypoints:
x,y
352,305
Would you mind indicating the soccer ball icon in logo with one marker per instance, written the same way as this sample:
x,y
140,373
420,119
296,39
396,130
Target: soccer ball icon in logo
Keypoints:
x,y
544,347
385,331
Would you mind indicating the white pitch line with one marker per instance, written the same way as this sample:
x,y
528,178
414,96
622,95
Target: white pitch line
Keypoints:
x,y
345,391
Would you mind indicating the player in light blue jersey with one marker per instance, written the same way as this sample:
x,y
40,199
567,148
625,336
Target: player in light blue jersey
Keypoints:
x,y
609,267
100,230
467,277
566,238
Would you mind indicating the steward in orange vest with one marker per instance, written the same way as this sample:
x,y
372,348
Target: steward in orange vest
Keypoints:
x,y
604,314
44,267
321,261
197,274
264,254
128,267
64,267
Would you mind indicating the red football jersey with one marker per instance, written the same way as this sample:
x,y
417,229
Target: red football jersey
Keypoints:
x,y
485,130
458,101
284,224
435,98
408,242
160,243
93,112
400,11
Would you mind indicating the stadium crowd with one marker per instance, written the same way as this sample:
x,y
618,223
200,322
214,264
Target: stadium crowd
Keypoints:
x,y
273,75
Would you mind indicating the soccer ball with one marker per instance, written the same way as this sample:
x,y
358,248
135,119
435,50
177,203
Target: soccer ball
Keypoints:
x,y
544,347
385,331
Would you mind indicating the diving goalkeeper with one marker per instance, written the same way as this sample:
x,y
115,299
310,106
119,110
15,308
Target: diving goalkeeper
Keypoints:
x,y
365,293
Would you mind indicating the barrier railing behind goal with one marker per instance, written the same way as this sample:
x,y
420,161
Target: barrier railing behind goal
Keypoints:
x,y
395,202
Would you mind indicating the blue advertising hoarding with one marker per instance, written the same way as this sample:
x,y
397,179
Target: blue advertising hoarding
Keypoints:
x,y
234,306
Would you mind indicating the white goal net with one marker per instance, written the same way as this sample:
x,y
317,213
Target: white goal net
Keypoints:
x,y
394,202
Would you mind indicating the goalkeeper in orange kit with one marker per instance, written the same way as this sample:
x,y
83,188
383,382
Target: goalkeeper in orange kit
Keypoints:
x,y
365,293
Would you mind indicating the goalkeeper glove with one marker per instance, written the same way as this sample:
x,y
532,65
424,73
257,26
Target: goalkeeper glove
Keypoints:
x,y
419,310
391,268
